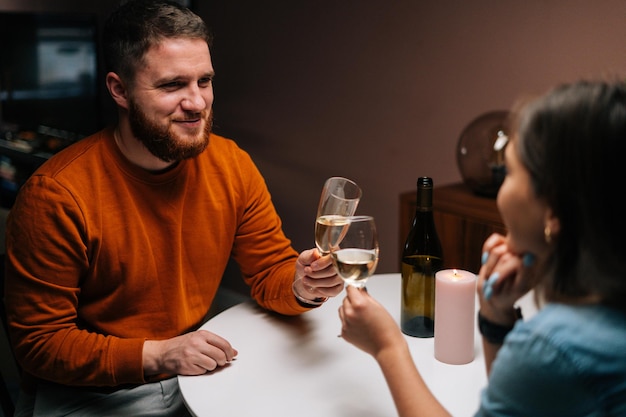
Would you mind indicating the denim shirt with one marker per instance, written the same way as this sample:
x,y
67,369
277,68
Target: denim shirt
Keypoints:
x,y
565,361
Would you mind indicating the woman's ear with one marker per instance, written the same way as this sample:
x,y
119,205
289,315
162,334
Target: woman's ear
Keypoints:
x,y
117,89
552,224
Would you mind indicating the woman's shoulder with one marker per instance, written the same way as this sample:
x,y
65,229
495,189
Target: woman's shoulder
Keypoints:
x,y
558,320
567,360
581,334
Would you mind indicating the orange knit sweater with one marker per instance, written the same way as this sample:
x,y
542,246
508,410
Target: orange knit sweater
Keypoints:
x,y
102,255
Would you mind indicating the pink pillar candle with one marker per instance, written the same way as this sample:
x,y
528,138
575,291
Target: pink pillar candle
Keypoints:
x,y
455,295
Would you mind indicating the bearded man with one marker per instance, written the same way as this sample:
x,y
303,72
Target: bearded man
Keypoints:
x,y
116,246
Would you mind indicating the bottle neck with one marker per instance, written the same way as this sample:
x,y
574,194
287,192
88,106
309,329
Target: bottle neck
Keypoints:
x,y
424,201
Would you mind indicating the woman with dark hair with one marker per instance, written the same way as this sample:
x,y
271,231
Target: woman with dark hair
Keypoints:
x,y
565,240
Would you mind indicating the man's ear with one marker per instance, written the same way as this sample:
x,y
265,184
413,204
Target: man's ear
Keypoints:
x,y
117,89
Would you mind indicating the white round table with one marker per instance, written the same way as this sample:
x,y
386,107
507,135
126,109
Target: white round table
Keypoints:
x,y
298,366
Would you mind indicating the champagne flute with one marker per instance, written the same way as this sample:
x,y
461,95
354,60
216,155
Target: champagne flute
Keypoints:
x,y
356,255
339,199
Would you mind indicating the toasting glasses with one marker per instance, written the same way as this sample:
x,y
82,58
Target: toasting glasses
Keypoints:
x,y
338,201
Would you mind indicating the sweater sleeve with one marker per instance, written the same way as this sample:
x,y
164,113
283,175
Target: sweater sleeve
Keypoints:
x,y
265,255
43,290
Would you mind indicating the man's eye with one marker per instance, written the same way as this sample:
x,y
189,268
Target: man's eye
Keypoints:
x,y
205,82
172,85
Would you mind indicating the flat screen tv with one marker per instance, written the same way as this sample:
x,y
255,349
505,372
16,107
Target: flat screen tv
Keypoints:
x,y
49,71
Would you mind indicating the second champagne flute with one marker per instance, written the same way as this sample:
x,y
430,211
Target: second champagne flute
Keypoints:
x,y
356,255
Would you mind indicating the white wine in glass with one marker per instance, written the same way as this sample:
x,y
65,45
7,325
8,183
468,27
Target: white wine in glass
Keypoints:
x,y
356,255
339,199
329,230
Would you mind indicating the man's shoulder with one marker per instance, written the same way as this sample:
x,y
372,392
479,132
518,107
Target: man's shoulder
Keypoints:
x,y
223,142
226,150
76,156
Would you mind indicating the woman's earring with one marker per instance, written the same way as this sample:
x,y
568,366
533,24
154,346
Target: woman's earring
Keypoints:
x,y
547,233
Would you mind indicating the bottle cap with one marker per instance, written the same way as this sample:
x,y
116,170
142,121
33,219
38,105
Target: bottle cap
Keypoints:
x,y
424,193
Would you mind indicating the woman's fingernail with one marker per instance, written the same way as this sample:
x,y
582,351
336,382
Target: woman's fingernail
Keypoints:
x,y
493,278
484,257
487,291
528,259
488,285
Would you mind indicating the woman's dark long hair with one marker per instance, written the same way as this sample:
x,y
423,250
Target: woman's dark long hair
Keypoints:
x,y
573,142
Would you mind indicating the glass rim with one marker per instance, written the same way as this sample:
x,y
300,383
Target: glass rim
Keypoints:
x,y
358,189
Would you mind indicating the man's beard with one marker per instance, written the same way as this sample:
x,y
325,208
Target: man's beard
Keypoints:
x,y
161,142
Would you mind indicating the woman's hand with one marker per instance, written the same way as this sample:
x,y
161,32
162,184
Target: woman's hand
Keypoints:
x,y
503,278
367,324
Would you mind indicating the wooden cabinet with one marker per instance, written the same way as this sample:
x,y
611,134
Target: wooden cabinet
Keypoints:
x,y
463,220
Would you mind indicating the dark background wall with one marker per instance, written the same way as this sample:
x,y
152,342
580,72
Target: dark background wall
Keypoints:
x,y
379,91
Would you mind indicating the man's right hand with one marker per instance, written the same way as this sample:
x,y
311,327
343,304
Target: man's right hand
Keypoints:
x,y
193,353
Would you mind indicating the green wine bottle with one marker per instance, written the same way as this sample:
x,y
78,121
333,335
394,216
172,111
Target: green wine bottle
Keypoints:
x,y
422,257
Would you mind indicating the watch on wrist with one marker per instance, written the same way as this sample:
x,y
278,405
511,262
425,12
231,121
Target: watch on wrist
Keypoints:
x,y
310,303
305,302
493,332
